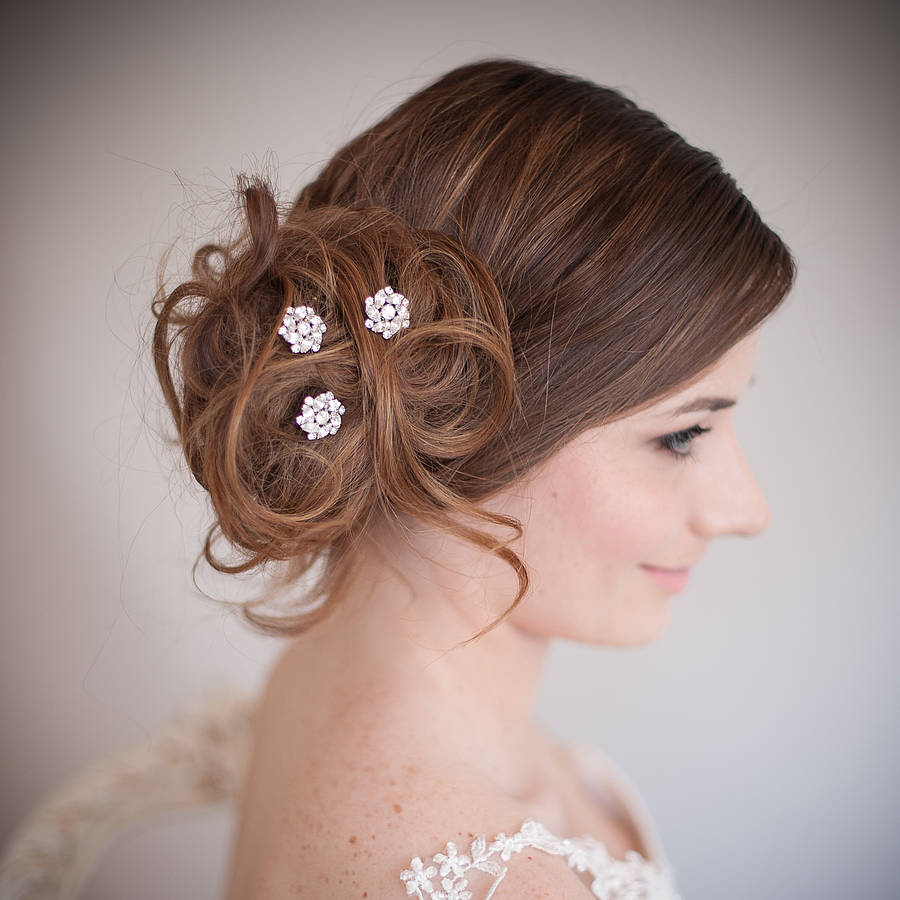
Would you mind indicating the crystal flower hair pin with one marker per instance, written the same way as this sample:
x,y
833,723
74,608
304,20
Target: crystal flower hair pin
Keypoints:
x,y
302,329
387,312
321,415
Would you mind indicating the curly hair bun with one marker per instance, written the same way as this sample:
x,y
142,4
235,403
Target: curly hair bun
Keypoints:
x,y
436,392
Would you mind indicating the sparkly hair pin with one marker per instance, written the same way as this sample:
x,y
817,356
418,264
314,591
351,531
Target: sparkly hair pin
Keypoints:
x,y
302,329
321,415
387,312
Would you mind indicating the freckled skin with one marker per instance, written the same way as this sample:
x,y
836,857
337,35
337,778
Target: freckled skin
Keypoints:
x,y
372,739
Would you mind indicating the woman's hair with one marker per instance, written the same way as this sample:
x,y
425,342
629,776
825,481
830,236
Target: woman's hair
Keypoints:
x,y
568,259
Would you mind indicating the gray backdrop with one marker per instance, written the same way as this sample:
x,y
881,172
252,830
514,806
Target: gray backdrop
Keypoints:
x,y
762,729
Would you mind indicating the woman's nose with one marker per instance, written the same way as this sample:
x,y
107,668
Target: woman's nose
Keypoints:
x,y
731,501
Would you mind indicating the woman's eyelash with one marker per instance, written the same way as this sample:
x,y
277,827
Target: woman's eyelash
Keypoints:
x,y
670,442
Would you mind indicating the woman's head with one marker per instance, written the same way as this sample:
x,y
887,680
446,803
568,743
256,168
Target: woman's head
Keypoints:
x,y
569,261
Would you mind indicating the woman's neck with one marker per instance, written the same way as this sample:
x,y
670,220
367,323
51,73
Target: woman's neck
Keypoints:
x,y
390,642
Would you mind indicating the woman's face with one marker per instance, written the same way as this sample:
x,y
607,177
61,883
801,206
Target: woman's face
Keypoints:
x,y
616,500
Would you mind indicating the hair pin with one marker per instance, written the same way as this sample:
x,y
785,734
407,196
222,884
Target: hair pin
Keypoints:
x,y
387,312
302,329
321,415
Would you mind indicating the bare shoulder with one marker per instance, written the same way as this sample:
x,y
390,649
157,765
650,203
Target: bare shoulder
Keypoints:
x,y
348,810
392,836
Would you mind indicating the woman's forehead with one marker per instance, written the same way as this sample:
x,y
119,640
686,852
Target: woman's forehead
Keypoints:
x,y
719,387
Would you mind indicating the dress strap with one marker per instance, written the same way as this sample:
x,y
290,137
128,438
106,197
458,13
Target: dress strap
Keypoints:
x,y
606,778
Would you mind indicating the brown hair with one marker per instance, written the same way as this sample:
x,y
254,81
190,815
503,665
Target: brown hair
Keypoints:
x,y
569,259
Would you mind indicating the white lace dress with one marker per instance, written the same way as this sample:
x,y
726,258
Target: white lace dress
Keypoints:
x,y
475,872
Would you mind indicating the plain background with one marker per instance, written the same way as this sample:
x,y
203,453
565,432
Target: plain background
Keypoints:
x,y
762,729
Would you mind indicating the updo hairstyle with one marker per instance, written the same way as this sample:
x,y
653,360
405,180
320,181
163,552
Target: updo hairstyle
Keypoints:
x,y
568,258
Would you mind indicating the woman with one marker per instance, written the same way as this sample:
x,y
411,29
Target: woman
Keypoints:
x,y
534,307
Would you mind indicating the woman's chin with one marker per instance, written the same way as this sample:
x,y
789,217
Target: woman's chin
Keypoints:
x,y
640,630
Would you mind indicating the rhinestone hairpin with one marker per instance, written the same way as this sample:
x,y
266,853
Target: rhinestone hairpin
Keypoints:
x,y
302,329
321,415
387,312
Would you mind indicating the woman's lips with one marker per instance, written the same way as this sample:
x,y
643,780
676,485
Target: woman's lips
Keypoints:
x,y
671,579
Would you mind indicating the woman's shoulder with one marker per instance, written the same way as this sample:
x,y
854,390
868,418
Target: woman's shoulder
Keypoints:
x,y
334,811
395,826
364,793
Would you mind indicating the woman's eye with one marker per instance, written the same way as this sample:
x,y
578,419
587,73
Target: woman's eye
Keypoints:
x,y
674,442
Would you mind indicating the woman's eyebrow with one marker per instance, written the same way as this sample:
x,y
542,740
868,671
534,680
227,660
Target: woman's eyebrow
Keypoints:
x,y
702,404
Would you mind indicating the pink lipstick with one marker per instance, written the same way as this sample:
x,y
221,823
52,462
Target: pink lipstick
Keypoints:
x,y
671,579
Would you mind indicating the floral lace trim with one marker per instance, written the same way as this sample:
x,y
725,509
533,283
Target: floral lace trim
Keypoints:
x,y
634,878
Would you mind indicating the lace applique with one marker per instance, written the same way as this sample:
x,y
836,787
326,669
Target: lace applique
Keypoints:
x,y
446,875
